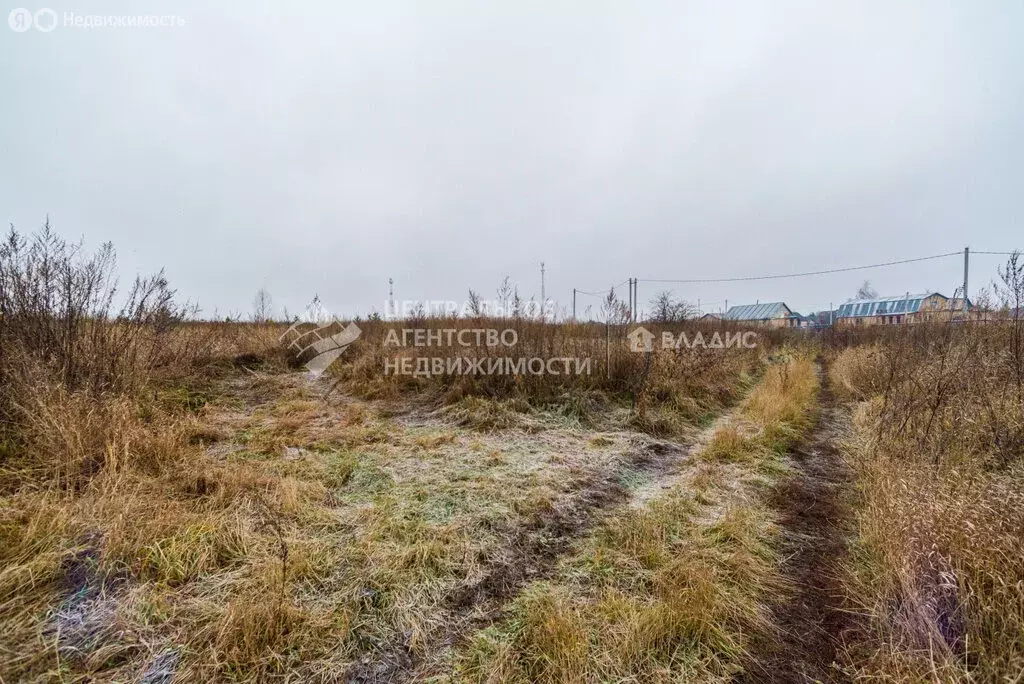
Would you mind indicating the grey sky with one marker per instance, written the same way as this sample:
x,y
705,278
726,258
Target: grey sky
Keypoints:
x,y
325,147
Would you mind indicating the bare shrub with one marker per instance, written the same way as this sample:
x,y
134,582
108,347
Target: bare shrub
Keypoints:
x,y
938,446
59,315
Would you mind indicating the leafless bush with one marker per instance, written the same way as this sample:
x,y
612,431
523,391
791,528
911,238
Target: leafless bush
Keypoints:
x,y
60,316
939,451
1011,295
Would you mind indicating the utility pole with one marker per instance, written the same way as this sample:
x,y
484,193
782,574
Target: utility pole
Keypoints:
x,y
574,304
630,299
543,299
967,257
391,298
636,302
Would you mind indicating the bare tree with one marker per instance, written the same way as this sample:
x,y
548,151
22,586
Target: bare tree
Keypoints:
x,y
475,305
504,296
262,307
1011,290
58,312
613,309
865,291
1011,296
665,308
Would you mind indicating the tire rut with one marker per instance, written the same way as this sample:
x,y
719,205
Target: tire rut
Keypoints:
x,y
816,523
538,546
543,543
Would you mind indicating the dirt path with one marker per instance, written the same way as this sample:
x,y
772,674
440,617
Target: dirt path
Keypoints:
x,y
622,468
676,473
663,465
539,545
815,523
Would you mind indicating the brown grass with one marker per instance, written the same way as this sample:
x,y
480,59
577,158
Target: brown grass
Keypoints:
x,y
173,501
674,590
936,569
223,520
689,384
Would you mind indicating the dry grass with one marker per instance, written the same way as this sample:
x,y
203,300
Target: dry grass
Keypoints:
x,y
777,413
858,372
260,532
182,505
488,414
675,590
655,596
678,387
937,566
173,502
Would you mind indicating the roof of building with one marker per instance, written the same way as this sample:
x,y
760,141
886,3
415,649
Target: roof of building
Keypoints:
x,y
880,306
756,312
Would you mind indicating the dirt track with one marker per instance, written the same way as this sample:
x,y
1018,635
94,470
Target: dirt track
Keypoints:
x,y
816,522
539,546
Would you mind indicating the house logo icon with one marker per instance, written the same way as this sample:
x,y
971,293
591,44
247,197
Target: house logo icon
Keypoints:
x,y
641,340
322,344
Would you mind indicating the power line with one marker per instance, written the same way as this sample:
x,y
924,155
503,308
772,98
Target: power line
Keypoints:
x,y
787,275
603,293
798,275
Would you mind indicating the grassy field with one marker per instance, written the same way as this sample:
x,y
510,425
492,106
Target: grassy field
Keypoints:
x,y
241,525
182,501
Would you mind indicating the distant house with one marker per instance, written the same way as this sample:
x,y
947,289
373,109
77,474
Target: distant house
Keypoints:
x,y
798,320
772,314
909,308
710,317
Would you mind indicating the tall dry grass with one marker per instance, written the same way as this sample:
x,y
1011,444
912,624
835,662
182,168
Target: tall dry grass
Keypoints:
x,y
103,491
668,388
937,570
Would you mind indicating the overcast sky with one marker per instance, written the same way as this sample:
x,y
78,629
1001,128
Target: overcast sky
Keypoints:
x,y
325,147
